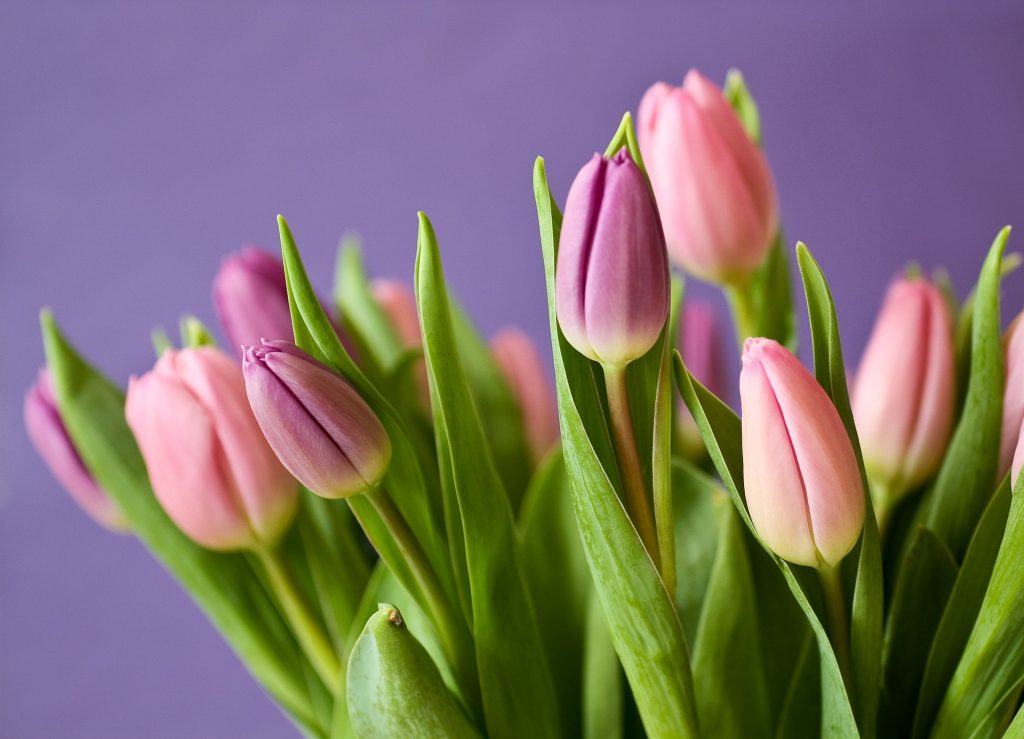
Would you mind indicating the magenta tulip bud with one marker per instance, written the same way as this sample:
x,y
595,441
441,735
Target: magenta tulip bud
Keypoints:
x,y
1013,399
700,344
319,426
522,367
611,282
399,304
713,185
904,394
251,298
50,437
211,468
802,481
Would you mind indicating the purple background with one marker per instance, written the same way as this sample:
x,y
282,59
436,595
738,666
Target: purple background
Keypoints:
x,y
139,142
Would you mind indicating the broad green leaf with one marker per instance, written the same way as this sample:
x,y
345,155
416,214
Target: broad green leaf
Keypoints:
x,y
720,429
961,609
800,714
732,698
515,681
966,478
223,585
395,690
603,709
866,611
924,584
993,660
641,615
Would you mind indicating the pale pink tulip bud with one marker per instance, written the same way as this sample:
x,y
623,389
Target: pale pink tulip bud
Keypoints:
x,y
700,344
904,394
802,481
521,364
1013,398
612,280
712,182
53,443
399,303
211,468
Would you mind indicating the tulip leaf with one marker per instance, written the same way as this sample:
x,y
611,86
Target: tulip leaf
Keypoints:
x,y
727,652
194,333
720,428
866,613
801,705
603,709
641,616
742,102
395,690
515,681
966,478
161,341
961,609
992,664
223,585
773,297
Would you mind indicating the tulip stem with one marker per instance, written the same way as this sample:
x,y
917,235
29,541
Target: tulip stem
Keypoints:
x,y
882,501
744,314
629,459
307,630
835,613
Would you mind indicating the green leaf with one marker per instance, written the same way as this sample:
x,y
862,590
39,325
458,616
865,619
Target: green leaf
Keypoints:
x,y
966,478
961,609
993,661
720,429
625,138
801,706
603,709
223,585
640,613
194,333
866,613
731,695
742,102
772,295
161,341
515,681
395,690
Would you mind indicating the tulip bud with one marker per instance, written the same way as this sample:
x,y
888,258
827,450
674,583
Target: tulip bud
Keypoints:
x,y
713,185
210,466
1013,400
700,345
611,282
251,297
904,394
802,481
319,426
53,443
399,304
519,362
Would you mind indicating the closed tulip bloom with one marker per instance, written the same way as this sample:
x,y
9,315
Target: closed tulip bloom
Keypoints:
x,y
522,367
612,281
713,185
802,481
904,393
399,303
700,345
251,298
211,468
50,437
1013,399
319,426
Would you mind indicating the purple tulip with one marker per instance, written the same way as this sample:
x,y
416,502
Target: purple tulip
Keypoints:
x,y
50,438
612,279
316,423
700,344
251,298
520,363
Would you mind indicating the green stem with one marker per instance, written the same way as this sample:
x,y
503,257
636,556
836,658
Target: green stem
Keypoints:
x,y
838,622
744,313
307,630
629,460
883,502
452,631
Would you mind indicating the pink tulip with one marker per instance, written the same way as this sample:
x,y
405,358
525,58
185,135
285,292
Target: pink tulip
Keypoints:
x,y
904,394
210,466
713,185
1013,399
399,303
53,443
700,345
251,298
802,481
521,364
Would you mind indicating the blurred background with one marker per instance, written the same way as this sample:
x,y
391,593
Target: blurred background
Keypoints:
x,y
140,142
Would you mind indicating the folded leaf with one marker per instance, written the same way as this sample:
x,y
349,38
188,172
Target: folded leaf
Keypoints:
x,y
603,709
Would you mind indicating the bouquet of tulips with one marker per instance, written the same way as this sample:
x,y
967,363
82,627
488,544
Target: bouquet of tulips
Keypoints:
x,y
400,534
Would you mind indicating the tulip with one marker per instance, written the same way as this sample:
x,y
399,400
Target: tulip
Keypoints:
x,y
611,282
904,394
713,185
319,426
802,480
521,365
1013,400
53,443
251,297
701,348
211,468
399,304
